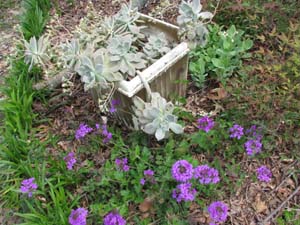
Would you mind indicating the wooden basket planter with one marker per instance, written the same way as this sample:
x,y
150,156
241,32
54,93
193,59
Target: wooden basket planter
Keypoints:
x,y
166,76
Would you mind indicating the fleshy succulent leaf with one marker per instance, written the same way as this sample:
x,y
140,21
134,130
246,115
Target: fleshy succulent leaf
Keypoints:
x,y
155,117
156,46
122,56
35,51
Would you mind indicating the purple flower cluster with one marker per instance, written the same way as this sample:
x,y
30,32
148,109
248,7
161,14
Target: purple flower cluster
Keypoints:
x,y
82,131
253,146
236,131
106,134
254,132
218,211
122,164
28,186
70,160
78,216
113,104
264,174
205,123
184,192
206,174
149,176
113,218
182,171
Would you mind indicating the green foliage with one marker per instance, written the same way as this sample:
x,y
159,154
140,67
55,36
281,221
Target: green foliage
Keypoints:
x,y
257,17
17,112
289,217
118,189
52,207
289,70
34,17
221,57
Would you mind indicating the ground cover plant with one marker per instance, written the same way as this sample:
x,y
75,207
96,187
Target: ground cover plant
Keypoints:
x,y
232,156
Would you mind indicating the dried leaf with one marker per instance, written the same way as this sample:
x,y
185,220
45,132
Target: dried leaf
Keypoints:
x,y
217,94
146,205
260,206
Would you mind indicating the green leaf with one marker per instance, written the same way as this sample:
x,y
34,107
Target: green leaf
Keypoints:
x,y
247,44
218,63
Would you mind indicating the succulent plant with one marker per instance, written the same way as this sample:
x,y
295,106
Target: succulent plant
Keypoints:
x,y
190,20
126,20
155,117
96,69
71,53
122,56
35,51
191,12
195,35
156,46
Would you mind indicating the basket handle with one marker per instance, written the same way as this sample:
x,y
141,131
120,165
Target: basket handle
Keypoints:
x,y
146,85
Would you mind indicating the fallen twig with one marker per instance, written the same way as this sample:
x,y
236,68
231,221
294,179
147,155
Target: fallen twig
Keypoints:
x,y
53,82
279,207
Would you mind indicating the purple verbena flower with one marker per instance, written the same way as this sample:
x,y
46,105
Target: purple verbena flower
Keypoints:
x,y
78,216
264,174
254,132
206,174
149,176
113,104
28,186
82,131
148,173
218,211
184,192
205,123
253,146
142,181
122,164
236,131
70,160
113,218
182,171
106,134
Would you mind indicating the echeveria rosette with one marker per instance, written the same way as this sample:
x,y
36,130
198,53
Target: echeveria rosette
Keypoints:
x,y
264,174
218,211
205,123
78,216
206,175
184,192
28,186
182,171
114,218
